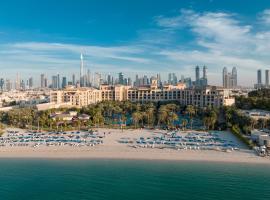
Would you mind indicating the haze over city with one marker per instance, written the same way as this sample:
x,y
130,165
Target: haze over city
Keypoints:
x,y
134,38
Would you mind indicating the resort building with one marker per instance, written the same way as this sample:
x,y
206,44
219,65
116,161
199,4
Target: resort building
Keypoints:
x,y
77,97
201,97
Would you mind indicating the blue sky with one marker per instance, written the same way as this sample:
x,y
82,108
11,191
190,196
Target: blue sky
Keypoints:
x,y
139,36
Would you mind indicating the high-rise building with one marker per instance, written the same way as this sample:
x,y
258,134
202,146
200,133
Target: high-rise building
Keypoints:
x,y
42,81
17,82
82,72
2,83
73,80
229,79
54,82
30,83
259,77
137,81
172,79
200,81
22,85
97,80
203,80
121,78
267,78
204,72
64,82
225,77
159,80
145,80
58,81
8,85
88,79
197,75
45,82
109,79
234,77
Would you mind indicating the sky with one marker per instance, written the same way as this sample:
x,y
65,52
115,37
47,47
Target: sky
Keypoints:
x,y
135,37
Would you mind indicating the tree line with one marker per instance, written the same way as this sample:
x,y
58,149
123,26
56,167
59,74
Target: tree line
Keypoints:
x,y
257,99
115,113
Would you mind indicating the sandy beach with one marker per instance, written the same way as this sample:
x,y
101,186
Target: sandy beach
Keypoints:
x,y
112,149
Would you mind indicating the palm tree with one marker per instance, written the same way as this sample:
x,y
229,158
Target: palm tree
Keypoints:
x,y
184,123
162,115
172,117
206,122
150,115
123,120
136,117
191,111
213,119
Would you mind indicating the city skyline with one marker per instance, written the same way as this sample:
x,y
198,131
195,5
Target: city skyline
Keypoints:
x,y
122,37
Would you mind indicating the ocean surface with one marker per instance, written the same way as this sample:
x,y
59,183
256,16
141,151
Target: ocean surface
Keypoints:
x,y
124,179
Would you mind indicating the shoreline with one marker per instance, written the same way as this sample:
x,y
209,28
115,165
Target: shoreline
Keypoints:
x,y
142,154
111,148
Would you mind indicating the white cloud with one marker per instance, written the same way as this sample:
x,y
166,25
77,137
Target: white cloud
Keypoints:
x,y
217,39
221,39
264,17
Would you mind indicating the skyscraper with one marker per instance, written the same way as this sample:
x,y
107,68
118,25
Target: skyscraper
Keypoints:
x,y
8,85
73,80
204,72
172,79
30,83
197,75
54,82
58,81
234,77
204,81
2,83
17,82
229,79
82,72
200,81
97,80
42,81
64,82
45,82
121,78
267,78
88,81
224,76
259,77
109,79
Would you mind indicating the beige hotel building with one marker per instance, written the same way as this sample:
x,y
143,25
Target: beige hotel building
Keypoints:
x,y
201,97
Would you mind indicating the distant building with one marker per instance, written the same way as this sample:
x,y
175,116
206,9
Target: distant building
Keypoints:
x,y
64,82
8,85
2,84
54,82
58,81
229,79
267,78
30,83
172,79
201,82
42,81
259,83
121,78
259,77
73,80
82,78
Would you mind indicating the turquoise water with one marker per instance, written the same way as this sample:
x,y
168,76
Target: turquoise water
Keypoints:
x,y
123,179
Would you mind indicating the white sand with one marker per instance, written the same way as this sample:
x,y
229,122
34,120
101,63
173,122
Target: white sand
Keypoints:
x,y
111,149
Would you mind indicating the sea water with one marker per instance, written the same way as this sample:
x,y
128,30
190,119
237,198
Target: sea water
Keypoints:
x,y
131,179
